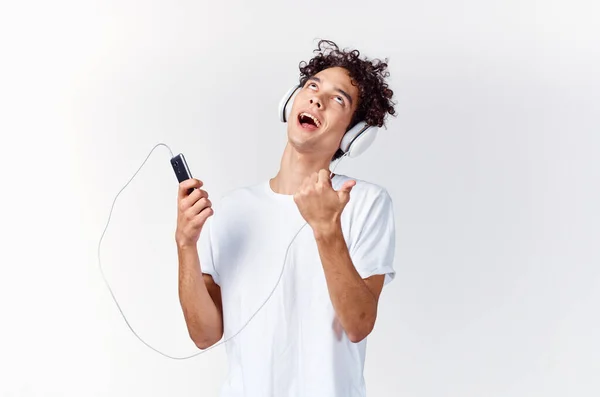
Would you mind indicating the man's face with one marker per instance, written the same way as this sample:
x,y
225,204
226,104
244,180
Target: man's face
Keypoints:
x,y
322,111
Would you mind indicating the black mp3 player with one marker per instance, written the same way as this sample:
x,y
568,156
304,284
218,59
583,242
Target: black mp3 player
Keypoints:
x,y
182,171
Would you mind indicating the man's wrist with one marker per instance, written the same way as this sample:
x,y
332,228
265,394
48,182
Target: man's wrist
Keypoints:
x,y
186,247
328,231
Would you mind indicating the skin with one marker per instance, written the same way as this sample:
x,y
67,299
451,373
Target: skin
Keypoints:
x,y
303,173
199,295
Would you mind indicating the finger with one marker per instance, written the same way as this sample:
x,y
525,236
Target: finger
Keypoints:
x,y
188,184
196,195
347,186
201,204
190,200
323,177
203,216
344,192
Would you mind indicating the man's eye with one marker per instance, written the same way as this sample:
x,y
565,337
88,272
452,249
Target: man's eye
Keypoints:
x,y
312,85
339,100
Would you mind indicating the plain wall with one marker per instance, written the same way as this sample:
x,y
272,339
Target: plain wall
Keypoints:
x,y
492,163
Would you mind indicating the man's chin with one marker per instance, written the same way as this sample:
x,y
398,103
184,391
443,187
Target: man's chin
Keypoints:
x,y
301,139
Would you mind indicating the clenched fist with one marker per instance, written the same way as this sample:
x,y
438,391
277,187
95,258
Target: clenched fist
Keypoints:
x,y
319,204
192,212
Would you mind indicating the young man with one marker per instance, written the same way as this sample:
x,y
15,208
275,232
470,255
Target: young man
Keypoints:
x,y
308,340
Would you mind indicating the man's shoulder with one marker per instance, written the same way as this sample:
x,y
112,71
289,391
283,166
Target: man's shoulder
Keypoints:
x,y
366,198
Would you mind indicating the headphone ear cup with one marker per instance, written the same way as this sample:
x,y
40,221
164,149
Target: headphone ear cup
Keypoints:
x,y
358,139
285,105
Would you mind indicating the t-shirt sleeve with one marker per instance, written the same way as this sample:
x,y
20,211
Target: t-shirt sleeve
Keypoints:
x,y
374,242
205,251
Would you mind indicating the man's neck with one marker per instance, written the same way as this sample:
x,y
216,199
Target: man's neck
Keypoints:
x,y
294,168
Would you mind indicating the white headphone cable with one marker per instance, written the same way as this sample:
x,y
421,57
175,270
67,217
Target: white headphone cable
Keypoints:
x,y
117,303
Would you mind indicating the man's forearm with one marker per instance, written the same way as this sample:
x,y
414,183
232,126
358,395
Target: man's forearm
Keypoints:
x,y
202,317
353,302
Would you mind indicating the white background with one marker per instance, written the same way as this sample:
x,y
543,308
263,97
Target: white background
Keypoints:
x,y
492,163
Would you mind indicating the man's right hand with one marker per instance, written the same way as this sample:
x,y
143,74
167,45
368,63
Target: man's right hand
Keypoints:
x,y
192,212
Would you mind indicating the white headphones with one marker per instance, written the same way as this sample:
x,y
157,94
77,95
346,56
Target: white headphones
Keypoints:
x,y
355,141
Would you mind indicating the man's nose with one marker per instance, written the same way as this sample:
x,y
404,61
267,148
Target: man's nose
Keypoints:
x,y
316,101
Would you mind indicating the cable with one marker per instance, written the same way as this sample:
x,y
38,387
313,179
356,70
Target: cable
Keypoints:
x,y
117,303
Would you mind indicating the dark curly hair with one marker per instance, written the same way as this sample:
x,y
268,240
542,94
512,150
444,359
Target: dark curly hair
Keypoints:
x,y
374,95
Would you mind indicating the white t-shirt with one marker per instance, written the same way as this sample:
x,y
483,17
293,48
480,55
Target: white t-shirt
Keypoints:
x,y
290,348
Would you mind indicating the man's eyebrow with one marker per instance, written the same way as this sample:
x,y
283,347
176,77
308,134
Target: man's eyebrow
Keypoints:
x,y
344,93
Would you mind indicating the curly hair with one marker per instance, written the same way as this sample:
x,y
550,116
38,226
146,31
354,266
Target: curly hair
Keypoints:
x,y
374,95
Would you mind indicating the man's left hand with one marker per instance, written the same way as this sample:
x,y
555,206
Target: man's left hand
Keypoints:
x,y
320,205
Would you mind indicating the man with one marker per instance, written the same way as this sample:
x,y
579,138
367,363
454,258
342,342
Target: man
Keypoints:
x,y
309,338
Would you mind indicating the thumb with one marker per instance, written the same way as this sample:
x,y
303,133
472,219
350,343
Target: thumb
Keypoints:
x,y
344,191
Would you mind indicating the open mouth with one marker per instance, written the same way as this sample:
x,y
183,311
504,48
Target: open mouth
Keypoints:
x,y
308,121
